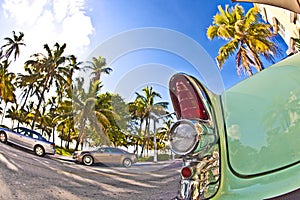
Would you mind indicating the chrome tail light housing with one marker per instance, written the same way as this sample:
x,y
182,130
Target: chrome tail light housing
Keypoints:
x,y
191,137
194,137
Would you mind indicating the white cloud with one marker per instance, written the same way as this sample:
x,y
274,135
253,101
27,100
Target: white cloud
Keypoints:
x,y
50,21
23,12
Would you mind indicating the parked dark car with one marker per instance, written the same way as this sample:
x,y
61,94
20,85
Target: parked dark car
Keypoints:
x,y
105,155
27,139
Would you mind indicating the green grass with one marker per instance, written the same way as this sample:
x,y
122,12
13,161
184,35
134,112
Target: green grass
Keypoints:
x,y
160,157
64,151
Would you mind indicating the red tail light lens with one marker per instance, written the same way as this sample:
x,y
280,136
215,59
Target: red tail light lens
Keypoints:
x,y
186,98
186,172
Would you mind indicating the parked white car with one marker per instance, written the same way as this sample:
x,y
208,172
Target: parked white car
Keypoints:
x,y
27,139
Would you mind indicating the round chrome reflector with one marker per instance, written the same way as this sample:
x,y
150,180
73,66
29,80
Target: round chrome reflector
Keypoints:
x,y
183,137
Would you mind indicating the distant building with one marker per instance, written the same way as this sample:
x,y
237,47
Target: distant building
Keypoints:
x,y
285,22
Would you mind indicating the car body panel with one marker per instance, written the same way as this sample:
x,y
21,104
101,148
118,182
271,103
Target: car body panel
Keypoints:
x,y
100,156
241,176
262,118
28,139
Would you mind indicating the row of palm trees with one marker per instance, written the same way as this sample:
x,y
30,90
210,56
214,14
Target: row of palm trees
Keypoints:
x,y
54,101
51,99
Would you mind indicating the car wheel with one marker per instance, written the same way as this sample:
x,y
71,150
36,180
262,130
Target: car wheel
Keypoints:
x,y
127,162
3,137
88,160
39,151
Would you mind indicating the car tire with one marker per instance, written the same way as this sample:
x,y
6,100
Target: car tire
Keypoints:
x,y
39,150
127,163
3,137
88,160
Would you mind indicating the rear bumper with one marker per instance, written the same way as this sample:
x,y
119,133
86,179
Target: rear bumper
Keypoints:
x,y
50,151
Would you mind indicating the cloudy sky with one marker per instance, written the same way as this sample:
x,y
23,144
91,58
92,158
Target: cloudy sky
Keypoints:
x,y
45,21
116,29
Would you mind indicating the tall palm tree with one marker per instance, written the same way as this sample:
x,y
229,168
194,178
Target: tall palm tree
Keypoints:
x,y
116,110
98,66
28,83
65,121
71,68
7,88
86,115
13,45
136,109
51,69
145,103
247,37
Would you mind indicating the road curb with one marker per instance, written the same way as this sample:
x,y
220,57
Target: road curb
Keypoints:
x,y
64,158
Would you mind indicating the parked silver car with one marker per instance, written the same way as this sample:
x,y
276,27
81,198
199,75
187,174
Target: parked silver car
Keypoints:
x,y
105,155
27,139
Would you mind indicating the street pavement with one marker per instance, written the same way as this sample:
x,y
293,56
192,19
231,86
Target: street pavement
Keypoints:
x,y
59,177
137,167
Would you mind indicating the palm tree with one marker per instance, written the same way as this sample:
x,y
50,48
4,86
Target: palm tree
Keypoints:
x,y
145,106
246,36
44,122
13,45
7,88
14,114
72,66
86,115
162,132
65,121
29,86
51,69
136,109
98,66
118,116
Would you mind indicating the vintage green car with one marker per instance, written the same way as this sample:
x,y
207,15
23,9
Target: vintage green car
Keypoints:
x,y
243,143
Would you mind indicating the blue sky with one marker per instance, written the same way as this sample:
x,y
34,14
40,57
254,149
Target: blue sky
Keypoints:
x,y
191,18
87,25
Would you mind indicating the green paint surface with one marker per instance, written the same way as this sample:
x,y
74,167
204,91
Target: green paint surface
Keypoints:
x,y
262,119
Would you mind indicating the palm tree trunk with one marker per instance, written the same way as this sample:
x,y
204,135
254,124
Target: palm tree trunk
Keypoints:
x,y
77,145
3,114
26,98
38,107
136,151
68,140
53,136
145,137
61,139
137,140
148,138
82,125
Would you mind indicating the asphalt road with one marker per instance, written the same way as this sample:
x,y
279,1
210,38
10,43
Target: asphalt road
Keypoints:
x,y
25,176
